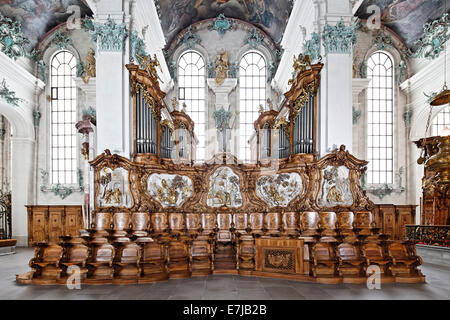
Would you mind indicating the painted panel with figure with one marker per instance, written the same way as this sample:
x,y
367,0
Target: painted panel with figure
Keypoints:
x,y
169,189
114,188
224,189
279,189
404,17
335,187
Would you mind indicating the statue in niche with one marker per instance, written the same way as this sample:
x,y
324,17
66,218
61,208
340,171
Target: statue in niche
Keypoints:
x,y
89,67
301,64
150,66
222,66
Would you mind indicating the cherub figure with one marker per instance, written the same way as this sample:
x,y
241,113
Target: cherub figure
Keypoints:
x,y
301,64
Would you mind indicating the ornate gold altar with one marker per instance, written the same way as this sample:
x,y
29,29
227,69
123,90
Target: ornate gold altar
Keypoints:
x,y
292,215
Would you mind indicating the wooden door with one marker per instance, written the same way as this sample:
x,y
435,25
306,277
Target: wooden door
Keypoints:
x,y
37,224
73,222
55,223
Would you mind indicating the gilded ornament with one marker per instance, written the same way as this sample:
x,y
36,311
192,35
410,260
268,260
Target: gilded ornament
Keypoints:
x,y
222,66
89,67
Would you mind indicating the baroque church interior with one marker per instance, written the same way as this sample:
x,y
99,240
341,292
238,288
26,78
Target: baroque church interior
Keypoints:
x,y
224,149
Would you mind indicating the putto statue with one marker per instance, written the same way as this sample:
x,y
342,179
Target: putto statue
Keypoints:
x,y
222,66
150,65
89,67
302,63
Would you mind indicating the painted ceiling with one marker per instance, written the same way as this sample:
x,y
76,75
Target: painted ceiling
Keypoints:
x,y
405,17
40,16
269,15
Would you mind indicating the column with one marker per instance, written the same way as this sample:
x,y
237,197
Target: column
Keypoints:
x,y
112,85
338,36
22,150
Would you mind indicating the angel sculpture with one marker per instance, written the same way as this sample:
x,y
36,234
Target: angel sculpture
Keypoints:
x,y
89,67
150,65
222,66
301,64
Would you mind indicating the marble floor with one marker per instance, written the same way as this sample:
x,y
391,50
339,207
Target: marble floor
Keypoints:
x,y
223,287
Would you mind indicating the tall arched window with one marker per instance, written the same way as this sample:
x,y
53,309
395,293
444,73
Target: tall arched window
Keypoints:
x,y
63,114
380,119
191,90
440,122
252,88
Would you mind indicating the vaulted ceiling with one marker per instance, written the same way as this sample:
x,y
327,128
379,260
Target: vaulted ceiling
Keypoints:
x,y
269,15
40,16
405,17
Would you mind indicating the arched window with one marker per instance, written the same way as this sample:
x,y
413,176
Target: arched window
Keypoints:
x,y
63,114
252,88
440,122
191,90
380,119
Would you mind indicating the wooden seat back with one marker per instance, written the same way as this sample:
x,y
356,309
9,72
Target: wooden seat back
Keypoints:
x,y
224,221
323,252
140,222
290,222
256,222
348,252
193,222
178,250
309,222
240,221
345,220
208,222
176,222
102,221
398,251
373,251
153,251
50,254
121,221
158,222
103,253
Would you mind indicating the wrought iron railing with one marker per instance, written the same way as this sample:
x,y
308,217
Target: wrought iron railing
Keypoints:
x,y
429,235
5,216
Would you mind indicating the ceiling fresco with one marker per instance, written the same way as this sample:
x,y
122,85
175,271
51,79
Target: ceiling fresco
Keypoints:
x,y
40,16
405,17
269,15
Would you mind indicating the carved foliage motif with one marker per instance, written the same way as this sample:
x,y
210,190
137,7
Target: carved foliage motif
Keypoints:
x,y
279,189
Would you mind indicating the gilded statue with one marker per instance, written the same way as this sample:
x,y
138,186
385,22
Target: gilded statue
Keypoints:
x,y
222,66
109,195
89,67
175,103
300,65
274,194
150,65
334,195
117,195
172,195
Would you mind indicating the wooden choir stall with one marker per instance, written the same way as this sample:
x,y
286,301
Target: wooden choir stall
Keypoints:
x,y
289,215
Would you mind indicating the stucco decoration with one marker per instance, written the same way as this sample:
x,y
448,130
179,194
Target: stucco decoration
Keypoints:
x,y
339,38
224,189
279,189
335,187
108,36
8,95
312,47
169,189
114,188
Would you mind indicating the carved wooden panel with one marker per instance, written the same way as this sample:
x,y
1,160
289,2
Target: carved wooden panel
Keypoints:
x,y
389,225
102,220
55,223
49,223
279,255
405,215
328,220
73,220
